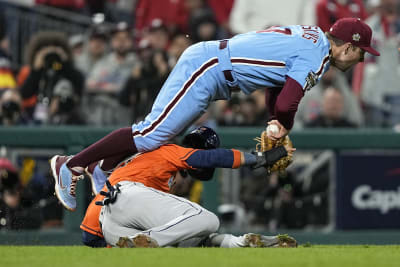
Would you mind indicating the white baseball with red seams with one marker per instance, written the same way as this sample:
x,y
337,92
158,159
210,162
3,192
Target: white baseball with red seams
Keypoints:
x,y
272,129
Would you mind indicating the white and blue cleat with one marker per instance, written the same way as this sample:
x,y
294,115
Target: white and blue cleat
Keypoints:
x,y
97,178
65,181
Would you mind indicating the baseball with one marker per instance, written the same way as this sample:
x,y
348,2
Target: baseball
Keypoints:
x,y
272,129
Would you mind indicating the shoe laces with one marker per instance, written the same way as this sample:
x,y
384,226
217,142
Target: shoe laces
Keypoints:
x,y
74,182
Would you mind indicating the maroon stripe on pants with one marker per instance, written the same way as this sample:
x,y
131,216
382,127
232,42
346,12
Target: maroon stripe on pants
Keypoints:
x,y
181,93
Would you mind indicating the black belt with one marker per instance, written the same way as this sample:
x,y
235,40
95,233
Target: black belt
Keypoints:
x,y
227,73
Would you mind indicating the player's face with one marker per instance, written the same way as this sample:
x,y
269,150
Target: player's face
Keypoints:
x,y
347,57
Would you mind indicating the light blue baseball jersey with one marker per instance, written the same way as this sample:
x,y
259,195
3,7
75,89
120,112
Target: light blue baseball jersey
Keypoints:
x,y
265,58
255,60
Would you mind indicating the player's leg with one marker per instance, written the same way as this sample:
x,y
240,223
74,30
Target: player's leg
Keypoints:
x,y
113,230
184,97
99,171
97,176
188,225
117,145
250,240
163,217
93,241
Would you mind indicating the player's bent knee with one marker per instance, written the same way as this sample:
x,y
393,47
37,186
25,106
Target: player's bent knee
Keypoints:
x,y
212,222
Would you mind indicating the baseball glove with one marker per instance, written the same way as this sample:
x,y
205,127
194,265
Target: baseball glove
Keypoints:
x,y
266,144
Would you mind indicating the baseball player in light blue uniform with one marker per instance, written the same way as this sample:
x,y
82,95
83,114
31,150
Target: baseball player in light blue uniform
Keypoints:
x,y
289,60
255,60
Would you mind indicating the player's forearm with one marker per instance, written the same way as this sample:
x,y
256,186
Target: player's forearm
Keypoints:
x,y
229,158
215,158
270,100
287,102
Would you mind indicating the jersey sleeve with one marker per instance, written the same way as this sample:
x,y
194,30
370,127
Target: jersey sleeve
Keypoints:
x,y
177,155
190,158
307,68
215,158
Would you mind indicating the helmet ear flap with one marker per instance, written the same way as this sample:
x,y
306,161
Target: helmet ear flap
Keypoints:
x,y
202,174
194,140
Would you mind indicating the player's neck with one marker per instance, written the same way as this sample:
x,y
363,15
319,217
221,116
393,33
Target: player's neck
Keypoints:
x,y
335,50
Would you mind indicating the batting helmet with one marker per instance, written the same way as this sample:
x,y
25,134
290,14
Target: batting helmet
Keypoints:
x,y
202,138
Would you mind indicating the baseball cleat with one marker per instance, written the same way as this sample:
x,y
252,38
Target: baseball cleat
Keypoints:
x,y
97,177
139,241
262,241
64,181
286,241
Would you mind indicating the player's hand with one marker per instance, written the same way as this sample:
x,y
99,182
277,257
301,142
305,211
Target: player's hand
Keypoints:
x,y
281,133
290,150
268,158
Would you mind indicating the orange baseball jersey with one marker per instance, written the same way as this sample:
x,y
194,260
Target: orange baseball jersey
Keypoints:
x,y
153,169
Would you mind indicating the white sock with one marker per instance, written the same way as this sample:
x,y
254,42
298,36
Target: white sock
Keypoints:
x,y
228,241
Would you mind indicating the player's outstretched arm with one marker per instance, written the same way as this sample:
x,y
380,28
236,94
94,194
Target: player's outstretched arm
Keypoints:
x,y
232,158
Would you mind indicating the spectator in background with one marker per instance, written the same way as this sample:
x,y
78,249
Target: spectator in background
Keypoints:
x,y
242,111
7,80
251,116
179,12
76,43
332,111
11,112
222,10
258,14
377,80
51,66
371,6
227,111
204,27
105,82
329,11
94,50
157,35
311,105
121,10
178,44
17,211
172,13
147,77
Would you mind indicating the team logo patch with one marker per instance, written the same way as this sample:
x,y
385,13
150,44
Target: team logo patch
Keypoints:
x,y
356,37
311,80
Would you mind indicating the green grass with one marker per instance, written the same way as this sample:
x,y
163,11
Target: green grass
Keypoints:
x,y
309,255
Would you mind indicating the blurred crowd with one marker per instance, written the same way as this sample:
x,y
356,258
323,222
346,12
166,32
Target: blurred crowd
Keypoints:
x,y
110,74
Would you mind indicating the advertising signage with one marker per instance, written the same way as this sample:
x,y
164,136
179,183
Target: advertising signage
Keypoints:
x,y
367,190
